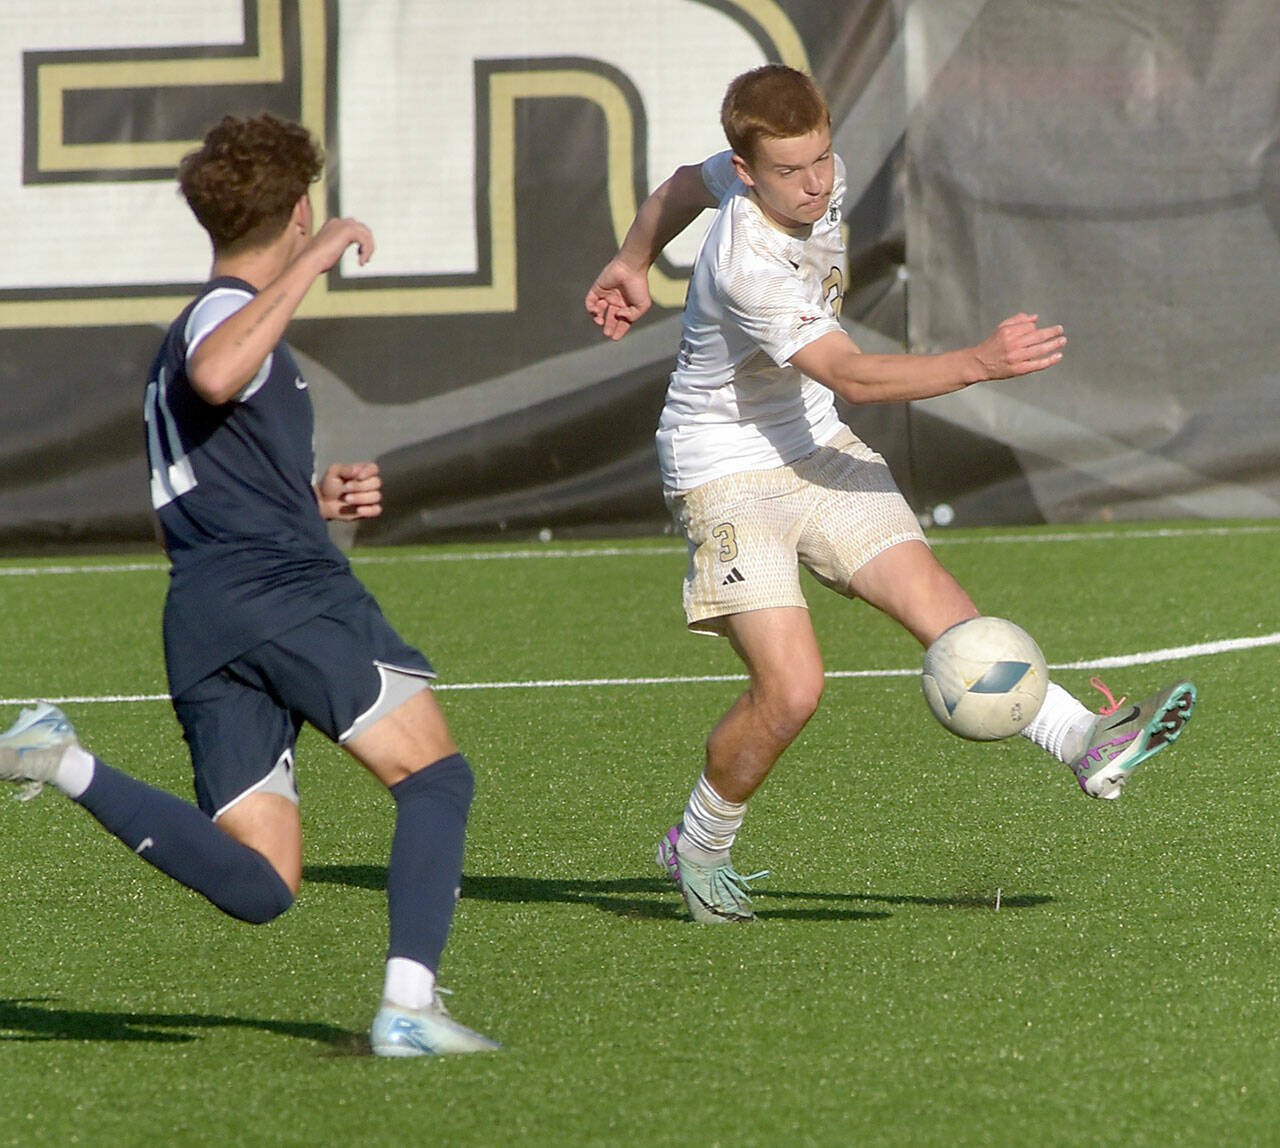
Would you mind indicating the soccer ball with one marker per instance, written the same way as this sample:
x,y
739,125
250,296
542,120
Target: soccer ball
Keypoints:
x,y
984,678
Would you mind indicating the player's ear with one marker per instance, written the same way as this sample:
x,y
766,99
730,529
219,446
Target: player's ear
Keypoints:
x,y
301,216
743,169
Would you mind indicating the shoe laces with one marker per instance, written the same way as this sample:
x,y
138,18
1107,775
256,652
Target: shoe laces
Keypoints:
x,y
1111,704
738,882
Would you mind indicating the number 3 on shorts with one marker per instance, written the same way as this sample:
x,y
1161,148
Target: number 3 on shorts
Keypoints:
x,y
728,543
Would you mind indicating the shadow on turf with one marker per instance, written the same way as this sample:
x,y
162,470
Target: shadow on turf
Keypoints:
x,y
653,897
39,1020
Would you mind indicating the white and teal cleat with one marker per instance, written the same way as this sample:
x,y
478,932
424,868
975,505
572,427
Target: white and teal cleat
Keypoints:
x,y
1123,738
430,1031
32,747
714,894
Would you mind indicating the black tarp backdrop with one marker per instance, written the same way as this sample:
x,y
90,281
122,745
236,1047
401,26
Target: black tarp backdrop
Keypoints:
x,y
1110,165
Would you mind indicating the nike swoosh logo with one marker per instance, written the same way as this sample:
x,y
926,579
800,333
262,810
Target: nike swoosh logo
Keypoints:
x,y
1133,713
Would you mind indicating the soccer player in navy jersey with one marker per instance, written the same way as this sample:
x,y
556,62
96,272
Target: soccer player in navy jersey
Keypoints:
x,y
265,625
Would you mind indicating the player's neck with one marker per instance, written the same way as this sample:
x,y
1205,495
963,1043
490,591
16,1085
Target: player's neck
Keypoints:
x,y
793,228
258,266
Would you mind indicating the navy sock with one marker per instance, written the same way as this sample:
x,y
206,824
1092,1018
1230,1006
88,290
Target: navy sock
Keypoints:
x,y
178,839
425,868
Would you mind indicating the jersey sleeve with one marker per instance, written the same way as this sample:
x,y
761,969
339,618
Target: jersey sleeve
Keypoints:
x,y
719,174
214,309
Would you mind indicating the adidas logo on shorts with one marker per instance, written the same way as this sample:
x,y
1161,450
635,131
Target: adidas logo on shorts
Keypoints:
x,y
734,575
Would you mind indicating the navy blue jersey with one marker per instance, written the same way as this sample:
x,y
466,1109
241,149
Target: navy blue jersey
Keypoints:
x,y
232,487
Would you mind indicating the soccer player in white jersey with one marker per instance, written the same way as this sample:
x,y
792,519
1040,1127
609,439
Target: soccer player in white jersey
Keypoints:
x,y
761,475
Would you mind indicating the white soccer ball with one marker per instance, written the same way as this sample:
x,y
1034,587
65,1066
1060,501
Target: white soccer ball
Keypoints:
x,y
984,678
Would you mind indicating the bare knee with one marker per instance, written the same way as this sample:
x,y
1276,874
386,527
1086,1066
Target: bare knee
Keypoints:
x,y
908,583
269,824
789,704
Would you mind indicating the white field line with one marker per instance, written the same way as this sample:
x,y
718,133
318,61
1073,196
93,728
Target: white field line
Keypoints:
x,y
1113,661
546,552
552,552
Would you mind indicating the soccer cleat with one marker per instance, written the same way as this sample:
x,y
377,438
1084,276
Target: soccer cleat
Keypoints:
x,y
714,894
1121,739
667,858
430,1031
32,747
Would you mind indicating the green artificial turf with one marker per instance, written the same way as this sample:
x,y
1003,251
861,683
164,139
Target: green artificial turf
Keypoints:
x,y
954,945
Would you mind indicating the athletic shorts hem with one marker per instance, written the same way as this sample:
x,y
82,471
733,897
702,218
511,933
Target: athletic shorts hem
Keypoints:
x,y
399,684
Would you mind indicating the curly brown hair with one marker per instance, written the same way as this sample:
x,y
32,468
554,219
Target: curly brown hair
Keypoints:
x,y
771,102
242,183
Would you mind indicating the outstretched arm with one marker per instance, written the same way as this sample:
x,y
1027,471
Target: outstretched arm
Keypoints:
x,y
620,294
1016,347
230,355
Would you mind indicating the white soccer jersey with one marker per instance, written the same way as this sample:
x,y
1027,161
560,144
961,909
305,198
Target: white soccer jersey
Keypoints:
x,y
758,294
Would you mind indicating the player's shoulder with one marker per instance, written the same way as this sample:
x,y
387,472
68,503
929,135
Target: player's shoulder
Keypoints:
x,y
216,301
720,176
224,292
840,185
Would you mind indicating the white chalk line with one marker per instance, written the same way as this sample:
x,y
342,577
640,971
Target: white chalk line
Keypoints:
x,y
545,552
1113,661
552,552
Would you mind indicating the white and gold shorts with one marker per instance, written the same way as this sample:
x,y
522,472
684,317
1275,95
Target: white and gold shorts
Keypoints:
x,y
748,533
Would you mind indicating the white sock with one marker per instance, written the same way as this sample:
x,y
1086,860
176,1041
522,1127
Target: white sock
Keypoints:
x,y
75,771
408,984
1062,725
710,822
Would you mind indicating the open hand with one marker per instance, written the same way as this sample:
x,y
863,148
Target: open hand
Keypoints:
x,y
618,297
1018,347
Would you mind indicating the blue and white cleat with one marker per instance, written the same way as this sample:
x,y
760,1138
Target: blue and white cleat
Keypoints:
x,y
32,747
1122,739
430,1031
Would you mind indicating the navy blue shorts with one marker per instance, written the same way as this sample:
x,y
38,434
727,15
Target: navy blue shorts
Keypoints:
x,y
341,671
